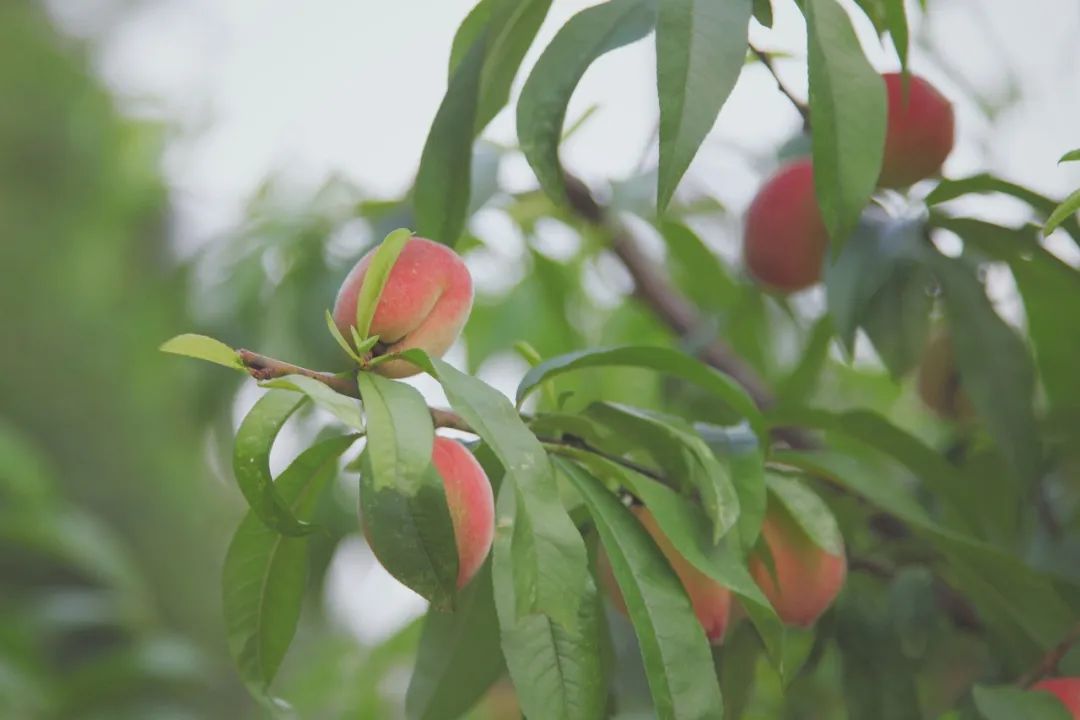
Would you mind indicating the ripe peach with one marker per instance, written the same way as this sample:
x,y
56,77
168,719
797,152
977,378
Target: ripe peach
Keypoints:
x,y
919,133
471,504
807,579
939,381
424,304
784,240
1067,690
711,600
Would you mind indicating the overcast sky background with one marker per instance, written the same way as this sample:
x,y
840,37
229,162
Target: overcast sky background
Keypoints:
x,y
305,90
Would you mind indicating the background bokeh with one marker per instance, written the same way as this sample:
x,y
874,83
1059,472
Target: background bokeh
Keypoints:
x,y
199,165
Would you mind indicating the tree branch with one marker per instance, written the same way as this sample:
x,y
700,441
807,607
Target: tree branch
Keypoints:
x,y
264,368
800,106
1049,662
671,306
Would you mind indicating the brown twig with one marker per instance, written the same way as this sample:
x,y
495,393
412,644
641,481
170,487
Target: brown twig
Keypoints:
x,y
800,106
955,605
264,368
1049,662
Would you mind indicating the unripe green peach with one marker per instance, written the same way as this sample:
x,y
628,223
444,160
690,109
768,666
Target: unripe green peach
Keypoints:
x,y
711,600
804,579
1067,690
919,134
424,303
471,504
939,381
784,239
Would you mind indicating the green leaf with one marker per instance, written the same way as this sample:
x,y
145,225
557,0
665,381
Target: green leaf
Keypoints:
x,y
737,667
661,359
739,448
541,108
1071,156
1002,390
1067,209
896,20
808,511
678,662
1047,285
683,456
443,181
202,347
340,339
1001,585
265,573
251,461
345,409
879,282
459,656
550,565
696,268
688,529
803,379
763,12
378,272
1010,703
874,430
847,108
469,31
879,682
986,183
402,496
700,49
511,26
557,668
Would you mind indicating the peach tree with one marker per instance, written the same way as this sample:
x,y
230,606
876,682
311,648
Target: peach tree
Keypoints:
x,y
773,538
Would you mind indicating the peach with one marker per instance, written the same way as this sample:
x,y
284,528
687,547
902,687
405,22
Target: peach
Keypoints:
x,y
711,600
919,131
424,303
784,240
939,381
807,579
1067,690
471,503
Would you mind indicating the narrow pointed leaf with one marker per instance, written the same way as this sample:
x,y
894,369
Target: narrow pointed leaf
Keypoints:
x,y
664,360
541,108
700,51
339,338
402,497
1071,156
896,21
687,527
202,347
375,278
1066,210
251,460
557,668
681,454
459,656
808,511
345,409
550,562
985,183
678,662
443,182
847,108
1002,391
265,573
